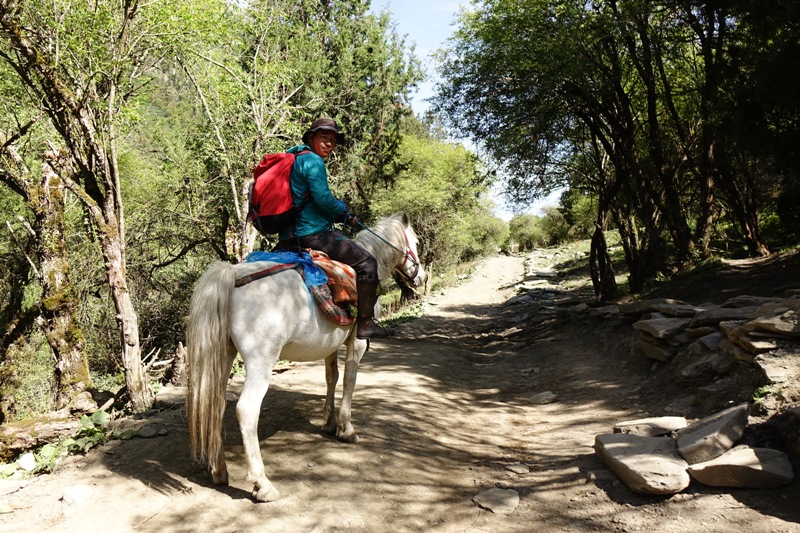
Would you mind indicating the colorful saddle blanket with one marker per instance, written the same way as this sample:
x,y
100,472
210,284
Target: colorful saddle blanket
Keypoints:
x,y
331,283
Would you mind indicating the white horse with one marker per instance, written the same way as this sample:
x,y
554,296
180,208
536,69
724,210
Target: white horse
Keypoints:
x,y
274,317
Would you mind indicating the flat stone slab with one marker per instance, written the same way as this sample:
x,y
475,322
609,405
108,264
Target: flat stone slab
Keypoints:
x,y
742,466
499,501
643,306
647,465
712,436
651,427
715,315
662,328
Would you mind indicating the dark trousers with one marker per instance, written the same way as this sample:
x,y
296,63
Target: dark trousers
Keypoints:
x,y
340,248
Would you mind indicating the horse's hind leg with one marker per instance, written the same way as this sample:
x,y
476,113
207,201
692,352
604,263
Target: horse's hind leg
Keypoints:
x,y
248,407
331,378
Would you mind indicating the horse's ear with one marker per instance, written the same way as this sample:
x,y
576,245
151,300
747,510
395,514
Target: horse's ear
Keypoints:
x,y
406,219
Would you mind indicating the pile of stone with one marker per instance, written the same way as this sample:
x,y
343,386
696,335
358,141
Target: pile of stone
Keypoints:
x,y
663,455
753,330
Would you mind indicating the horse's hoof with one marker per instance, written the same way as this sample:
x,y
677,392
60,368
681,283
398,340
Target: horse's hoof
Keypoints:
x,y
351,438
220,478
266,494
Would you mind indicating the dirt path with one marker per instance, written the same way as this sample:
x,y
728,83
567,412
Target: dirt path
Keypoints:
x,y
445,411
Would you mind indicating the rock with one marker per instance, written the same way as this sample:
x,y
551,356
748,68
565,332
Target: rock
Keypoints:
x,y
498,501
679,310
780,366
27,462
148,432
785,324
606,311
543,398
749,301
77,494
715,315
518,468
643,306
780,306
711,341
716,363
651,427
661,328
738,353
83,403
170,395
757,346
657,352
647,465
742,466
702,331
712,436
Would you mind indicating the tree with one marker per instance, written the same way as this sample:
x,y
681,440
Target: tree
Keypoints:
x,y
264,73
616,89
83,65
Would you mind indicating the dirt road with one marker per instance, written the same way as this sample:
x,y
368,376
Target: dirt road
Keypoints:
x,y
445,410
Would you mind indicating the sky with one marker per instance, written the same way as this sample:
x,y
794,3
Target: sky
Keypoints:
x,y
428,24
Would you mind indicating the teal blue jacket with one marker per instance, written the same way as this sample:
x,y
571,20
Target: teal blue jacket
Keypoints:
x,y
309,177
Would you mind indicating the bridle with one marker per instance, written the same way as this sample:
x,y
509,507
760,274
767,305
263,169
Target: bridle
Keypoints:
x,y
408,255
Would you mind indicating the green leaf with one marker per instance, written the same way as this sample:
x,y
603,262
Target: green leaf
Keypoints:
x,y
100,418
87,422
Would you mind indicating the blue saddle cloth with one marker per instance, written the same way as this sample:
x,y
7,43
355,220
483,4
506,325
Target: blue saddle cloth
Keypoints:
x,y
313,275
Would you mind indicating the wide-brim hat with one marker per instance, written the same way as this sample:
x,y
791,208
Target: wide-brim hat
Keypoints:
x,y
327,124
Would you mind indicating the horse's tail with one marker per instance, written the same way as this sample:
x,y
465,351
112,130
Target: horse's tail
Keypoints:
x,y
209,351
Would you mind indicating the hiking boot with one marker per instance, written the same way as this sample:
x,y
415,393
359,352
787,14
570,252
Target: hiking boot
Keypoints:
x,y
368,329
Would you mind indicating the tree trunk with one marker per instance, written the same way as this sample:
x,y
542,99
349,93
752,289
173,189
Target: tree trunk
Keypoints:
x,y
139,392
600,268
57,310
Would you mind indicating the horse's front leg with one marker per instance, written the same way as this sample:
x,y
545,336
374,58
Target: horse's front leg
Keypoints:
x,y
355,350
247,410
331,378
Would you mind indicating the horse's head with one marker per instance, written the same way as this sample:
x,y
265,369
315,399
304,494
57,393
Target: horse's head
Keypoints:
x,y
394,244
411,267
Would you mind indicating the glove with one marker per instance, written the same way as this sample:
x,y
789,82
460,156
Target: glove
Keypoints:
x,y
351,220
342,205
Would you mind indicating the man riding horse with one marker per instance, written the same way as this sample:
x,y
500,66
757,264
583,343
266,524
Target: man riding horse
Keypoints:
x,y
314,227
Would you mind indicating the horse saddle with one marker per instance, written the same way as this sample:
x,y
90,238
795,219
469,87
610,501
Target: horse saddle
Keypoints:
x,y
333,285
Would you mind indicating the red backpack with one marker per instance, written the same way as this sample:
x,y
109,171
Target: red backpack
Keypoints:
x,y
271,207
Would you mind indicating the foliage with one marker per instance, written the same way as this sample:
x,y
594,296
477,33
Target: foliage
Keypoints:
x,y
91,434
526,232
441,189
27,379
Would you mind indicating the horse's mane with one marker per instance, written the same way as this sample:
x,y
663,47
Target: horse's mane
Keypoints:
x,y
390,228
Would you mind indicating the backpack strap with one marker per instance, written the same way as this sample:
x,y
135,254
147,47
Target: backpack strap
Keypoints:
x,y
305,200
